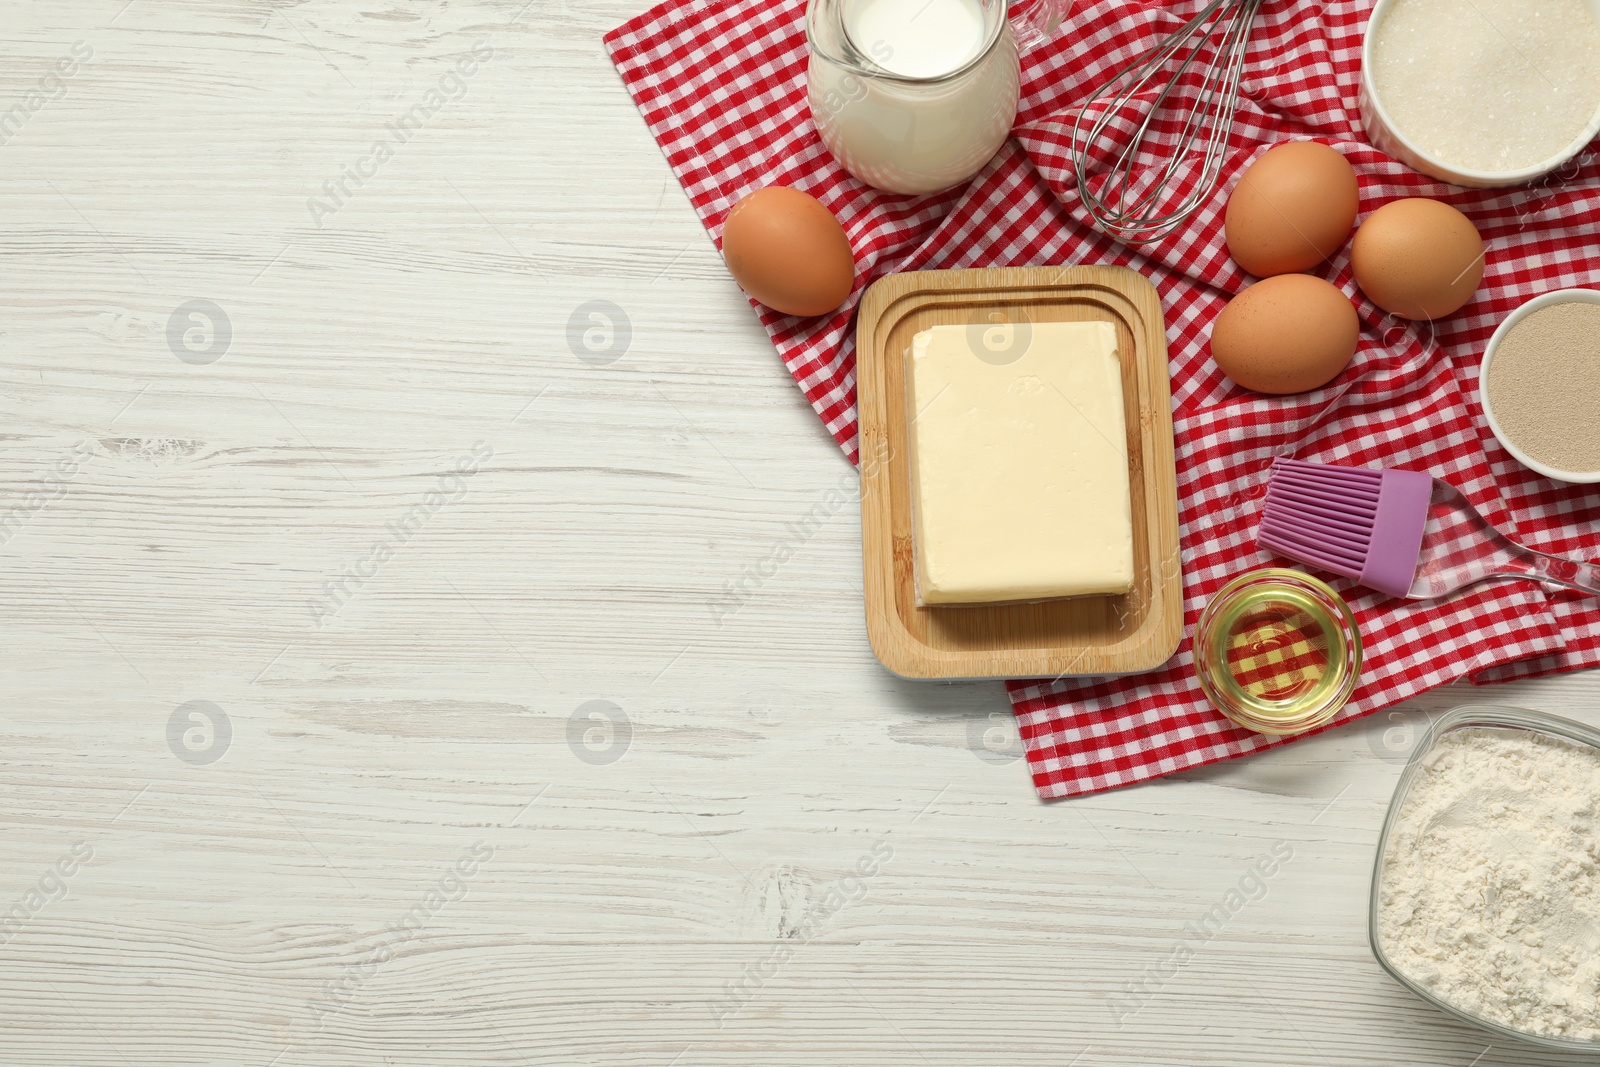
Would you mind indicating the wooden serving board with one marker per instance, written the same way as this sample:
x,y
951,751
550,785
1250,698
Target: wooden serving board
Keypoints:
x,y
1136,631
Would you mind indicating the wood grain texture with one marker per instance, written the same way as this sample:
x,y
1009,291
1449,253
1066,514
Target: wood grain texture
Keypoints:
x,y
1136,631
676,787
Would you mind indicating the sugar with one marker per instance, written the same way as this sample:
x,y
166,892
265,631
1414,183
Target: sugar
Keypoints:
x,y
1544,386
1489,85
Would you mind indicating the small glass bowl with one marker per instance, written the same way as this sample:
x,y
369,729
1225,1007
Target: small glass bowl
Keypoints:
x,y
1463,718
1277,651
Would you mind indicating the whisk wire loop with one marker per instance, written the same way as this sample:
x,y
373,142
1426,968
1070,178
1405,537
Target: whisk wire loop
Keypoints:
x,y
1129,201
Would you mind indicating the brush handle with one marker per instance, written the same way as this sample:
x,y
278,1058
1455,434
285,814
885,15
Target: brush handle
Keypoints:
x,y
1554,570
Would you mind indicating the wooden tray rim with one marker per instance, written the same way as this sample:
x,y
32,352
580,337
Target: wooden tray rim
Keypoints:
x,y
881,310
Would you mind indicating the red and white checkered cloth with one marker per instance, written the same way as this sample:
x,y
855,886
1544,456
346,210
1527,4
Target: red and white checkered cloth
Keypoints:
x,y
721,84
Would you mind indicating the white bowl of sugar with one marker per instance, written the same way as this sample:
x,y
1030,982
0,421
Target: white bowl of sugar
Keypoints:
x,y
1483,95
1539,383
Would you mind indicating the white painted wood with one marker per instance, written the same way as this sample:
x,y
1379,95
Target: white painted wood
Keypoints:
x,y
767,753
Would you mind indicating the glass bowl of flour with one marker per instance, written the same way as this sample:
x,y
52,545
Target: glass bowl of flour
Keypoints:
x,y
1486,890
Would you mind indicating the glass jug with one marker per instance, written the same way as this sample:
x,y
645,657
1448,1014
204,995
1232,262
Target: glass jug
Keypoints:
x,y
916,96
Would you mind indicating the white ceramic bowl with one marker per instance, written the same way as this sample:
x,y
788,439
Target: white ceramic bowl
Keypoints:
x,y
1559,296
1385,137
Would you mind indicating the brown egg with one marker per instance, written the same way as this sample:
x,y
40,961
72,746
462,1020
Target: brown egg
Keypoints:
x,y
1293,209
1285,335
788,251
1418,258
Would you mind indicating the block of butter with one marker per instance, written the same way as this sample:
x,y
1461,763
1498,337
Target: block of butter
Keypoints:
x,y
1019,463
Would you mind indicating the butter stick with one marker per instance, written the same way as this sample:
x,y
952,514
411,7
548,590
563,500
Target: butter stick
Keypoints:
x,y
1019,463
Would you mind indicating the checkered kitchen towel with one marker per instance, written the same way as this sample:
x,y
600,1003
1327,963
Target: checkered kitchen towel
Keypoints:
x,y
721,84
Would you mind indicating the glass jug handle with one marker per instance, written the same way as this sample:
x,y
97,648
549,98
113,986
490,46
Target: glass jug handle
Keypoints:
x,y
1033,22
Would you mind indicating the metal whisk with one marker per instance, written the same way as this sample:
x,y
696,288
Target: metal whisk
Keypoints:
x,y
1133,200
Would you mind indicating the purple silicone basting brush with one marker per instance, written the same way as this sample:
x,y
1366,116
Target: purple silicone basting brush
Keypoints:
x,y
1399,532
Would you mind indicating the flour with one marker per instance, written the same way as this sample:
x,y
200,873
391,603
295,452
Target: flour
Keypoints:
x,y
1489,897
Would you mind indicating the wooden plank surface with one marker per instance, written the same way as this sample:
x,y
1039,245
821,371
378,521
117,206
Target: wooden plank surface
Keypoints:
x,y
530,789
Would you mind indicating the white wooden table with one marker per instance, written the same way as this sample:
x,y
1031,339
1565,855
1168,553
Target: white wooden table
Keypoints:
x,y
480,772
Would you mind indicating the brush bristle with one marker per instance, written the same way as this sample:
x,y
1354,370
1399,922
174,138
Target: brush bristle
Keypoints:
x,y
1321,514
